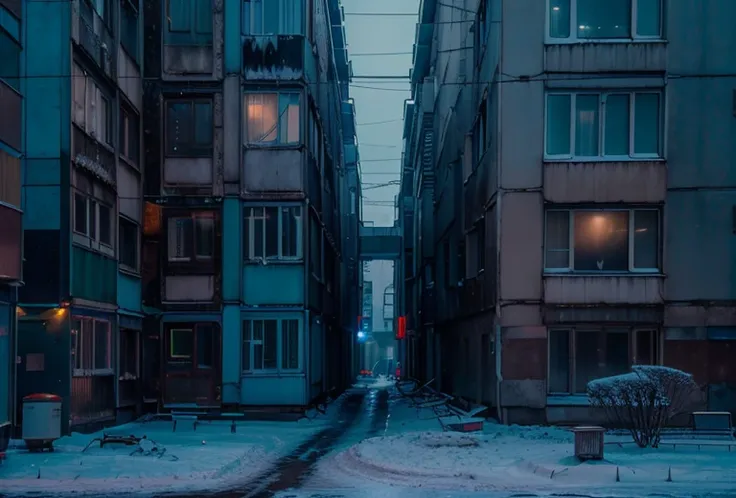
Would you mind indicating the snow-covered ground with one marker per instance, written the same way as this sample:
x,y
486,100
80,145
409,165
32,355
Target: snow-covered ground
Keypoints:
x,y
414,454
209,458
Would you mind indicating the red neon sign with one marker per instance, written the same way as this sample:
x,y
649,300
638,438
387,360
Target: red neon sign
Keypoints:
x,y
401,328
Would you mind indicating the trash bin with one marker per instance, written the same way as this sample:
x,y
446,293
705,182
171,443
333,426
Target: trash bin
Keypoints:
x,y
589,442
41,421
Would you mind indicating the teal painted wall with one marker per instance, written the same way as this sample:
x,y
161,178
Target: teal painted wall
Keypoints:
x,y
273,284
231,350
41,207
129,292
93,276
232,261
233,49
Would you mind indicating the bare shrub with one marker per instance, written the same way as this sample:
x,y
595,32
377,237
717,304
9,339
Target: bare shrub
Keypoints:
x,y
644,400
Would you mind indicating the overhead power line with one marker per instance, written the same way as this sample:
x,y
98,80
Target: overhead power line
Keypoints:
x,y
381,122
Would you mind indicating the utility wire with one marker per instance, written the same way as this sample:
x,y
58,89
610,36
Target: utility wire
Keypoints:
x,y
380,122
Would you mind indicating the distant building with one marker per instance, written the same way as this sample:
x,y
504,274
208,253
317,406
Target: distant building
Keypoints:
x,y
568,199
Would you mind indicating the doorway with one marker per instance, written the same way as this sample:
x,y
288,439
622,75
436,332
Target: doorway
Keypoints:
x,y
192,364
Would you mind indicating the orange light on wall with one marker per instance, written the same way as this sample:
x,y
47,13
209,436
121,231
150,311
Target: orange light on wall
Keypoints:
x,y
401,328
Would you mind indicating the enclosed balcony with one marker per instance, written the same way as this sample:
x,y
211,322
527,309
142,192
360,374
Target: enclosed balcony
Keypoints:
x,y
274,57
89,154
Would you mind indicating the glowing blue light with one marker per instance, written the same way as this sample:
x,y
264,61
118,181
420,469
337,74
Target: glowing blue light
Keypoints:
x,y
361,334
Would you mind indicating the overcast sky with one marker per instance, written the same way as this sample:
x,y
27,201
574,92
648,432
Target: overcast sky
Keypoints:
x,y
376,101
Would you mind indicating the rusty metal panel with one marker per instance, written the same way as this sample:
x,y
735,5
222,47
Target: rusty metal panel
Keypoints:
x,y
11,244
9,179
189,288
636,181
273,170
10,108
605,57
92,398
183,60
579,289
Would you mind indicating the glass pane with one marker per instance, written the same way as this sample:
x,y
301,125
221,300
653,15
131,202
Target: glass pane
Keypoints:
x,y
601,241
646,239
272,232
178,127
205,346
128,243
80,214
105,224
559,361
92,207
262,114
270,341
646,123
204,236
258,232
648,17
181,343
102,345
604,19
617,354
291,222
76,337
203,17
180,236
292,16
203,125
646,347
559,18
290,344
558,124
587,108
247,330
557,239
291,122
588,356
616,128
258,344
179,15
10,55
271,17
5,360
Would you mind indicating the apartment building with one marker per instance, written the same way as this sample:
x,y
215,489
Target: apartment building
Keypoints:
x,y
11,214
244,135
574,210
80,312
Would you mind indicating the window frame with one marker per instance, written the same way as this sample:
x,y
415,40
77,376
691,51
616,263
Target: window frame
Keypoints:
x,y
13,82
92,205
123,265
602,95
83,369
573,331
95,98
280,320
189,37
194,149
136,335
570,270
249,231
573,38
129,119
248,16
194,258
278,141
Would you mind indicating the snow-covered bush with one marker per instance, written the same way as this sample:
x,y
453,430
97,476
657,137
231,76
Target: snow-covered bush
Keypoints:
x,y
644,400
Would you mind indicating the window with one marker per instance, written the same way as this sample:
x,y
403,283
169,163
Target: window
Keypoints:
x,y
93,219
91,109
189,22
91,346
273,232
129,28
272,118
10,55
581,20
129,135
480,134
129,354
580,355
273,17
193,345
189,128
613,125
191,238
128,239
598,241
181,344
271,345
481,31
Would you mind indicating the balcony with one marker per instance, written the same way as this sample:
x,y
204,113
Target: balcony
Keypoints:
x,y
649,56
11,244
10,103
89,154
277,57
631,289
92,34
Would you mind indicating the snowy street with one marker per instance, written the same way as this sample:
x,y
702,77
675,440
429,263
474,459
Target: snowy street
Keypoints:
x,y
370,444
